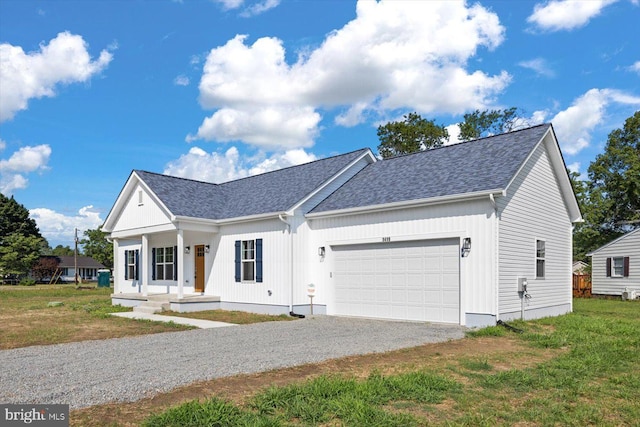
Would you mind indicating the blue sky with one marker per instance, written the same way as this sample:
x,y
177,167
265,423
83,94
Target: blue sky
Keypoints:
x,y
220,89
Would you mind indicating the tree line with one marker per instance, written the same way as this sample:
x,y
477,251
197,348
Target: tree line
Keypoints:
x,y
22,246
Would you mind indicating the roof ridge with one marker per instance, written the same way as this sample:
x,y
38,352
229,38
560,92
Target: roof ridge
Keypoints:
x,y
251,176
466,142
294,166
176,177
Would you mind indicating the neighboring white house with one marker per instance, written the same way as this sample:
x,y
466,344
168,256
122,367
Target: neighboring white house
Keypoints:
x,y
615,267
444,235
87,268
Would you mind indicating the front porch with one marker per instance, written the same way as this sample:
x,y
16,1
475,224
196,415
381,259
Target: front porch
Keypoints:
x,y
173,302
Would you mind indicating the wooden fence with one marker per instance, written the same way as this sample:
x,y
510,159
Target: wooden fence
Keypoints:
x,y
581,285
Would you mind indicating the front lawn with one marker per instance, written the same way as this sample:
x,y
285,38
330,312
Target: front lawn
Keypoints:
x,y
579,369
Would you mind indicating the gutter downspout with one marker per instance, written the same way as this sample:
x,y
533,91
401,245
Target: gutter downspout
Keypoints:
x,y
291,313
497,255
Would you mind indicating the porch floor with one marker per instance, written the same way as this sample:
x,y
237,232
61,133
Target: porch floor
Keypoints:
x,y
172,298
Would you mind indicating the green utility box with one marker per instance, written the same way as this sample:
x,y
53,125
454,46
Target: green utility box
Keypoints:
x,y
104,278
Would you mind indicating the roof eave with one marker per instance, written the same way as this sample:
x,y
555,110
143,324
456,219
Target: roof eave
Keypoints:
x,y
406,204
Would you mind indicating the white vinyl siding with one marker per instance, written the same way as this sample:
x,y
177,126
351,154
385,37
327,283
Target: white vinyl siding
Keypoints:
x,y
626,246
534,211
472,218
140,215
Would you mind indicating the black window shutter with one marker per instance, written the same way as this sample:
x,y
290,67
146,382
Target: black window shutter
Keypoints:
x,y
175,263
238,261
626,266
137,264
608,267
153,264
258,260
126,265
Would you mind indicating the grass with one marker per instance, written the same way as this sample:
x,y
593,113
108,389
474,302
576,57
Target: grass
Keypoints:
x,y
578,369
28,316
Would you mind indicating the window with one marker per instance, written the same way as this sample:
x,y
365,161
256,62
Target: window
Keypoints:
x,y
540,258
248,260
164,263
618,267
131,265
140,200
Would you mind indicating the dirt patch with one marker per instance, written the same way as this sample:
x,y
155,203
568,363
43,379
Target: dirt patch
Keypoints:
x,y
500,353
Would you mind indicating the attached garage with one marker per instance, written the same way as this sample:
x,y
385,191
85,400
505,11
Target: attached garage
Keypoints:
x,y
411,280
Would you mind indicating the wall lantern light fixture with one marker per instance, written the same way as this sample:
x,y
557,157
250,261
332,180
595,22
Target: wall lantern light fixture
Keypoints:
x,y
321,251
466,246
206,249
187,250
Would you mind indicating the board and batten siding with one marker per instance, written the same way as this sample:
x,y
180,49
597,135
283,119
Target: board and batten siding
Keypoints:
x,y
534,209
627,246
138,213
473,218
276,266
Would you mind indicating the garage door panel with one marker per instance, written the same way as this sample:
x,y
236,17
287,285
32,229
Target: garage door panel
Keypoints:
x,y
416,280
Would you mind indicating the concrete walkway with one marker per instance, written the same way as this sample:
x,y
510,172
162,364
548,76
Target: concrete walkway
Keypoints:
x,y
198,323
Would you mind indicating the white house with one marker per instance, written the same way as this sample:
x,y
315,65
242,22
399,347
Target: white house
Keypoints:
x,y
445,235
615,267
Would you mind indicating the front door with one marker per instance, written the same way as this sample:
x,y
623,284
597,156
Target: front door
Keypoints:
x,y
199,270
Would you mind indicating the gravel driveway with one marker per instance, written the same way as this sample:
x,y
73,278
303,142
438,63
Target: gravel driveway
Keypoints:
x,y
127,369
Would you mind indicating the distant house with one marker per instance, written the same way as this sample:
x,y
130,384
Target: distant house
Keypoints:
x,y
615,267
87,268
448,235
580,267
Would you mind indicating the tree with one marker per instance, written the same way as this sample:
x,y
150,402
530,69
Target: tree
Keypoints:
x,y
45,268
615,176
97,247
610,199
488,122
20,239
411,135
62,251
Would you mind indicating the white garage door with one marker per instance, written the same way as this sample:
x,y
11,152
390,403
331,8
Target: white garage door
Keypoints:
x,y
417,280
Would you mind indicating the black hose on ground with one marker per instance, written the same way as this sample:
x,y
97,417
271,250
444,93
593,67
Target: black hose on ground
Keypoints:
x,y
299,316
511,328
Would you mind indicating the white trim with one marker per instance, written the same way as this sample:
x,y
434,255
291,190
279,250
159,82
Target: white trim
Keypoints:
x,y
624,236
139,231
402,238
405,204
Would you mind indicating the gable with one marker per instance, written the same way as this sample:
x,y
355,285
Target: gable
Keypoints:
x,y
623,244
136,207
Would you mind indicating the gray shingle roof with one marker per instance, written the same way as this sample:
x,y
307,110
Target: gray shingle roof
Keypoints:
x,y
484,164
275,191
83,262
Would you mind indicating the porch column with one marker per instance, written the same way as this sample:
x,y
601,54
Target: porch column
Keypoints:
x,y
144,265
180,277
116,269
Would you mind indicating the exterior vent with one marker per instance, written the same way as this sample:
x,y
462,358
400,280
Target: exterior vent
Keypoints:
x,y
629,294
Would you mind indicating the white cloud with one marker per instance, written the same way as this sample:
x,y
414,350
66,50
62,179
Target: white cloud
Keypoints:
x,y
269,127
259,8
26,160
181,80
227,166
635,67
454,133
393,55
559,15
58,228
574,125
24,76
538,65
229,4
3,145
